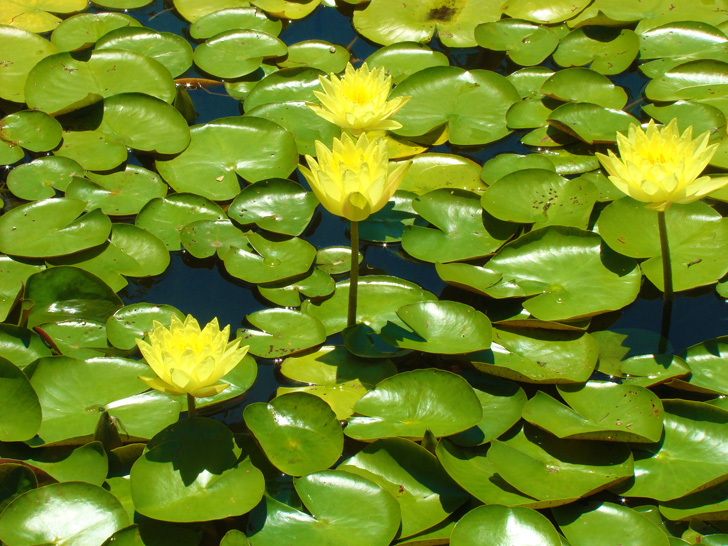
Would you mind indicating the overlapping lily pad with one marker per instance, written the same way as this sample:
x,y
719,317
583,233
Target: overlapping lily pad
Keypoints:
x,y
20,415
705,361
282,332
232,18
23,50
402,59
526,43
584,85
493,524
82,30
37,179
236,53
607,51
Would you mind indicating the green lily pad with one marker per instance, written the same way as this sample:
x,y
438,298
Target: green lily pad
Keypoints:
x,y
41,177
288,9
584,85
289,293
72,513
72,393
401,406
22,50
253,148
526,43
413,476
93,150
379,298
236,53
494,524
529,114
702,117
118,194
344,509
431,171
16,480
77,338
550,12
705,361
610,523
21,346
700,79
133,321
503,164
576,277
171,50
679,38
335,260
463,230
10,153
541,197
78,83
166,217
528,81
649,370
233,18
33,130
538,355
52,227
605,50
316,54
590,122
82,30
706,503
388,223
190,472
403,59
446,327
273,260
693,447
87,463
573,159
282,332
694,233
598,410
298,432
547,468
450,95
277,205
285,85
386,23
14,275
20,415
205,238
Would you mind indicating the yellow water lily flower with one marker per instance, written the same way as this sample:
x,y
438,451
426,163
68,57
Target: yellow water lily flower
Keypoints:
x,y
352,179
358,101
661,166
189,361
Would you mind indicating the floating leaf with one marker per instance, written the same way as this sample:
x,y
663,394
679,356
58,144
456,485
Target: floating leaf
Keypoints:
x,y
402,59
272,260
430,171
282,332
584,85
605,50
82,30
131,322
21,50
233,18
32,130
590,122
41,177
20,415
493,524
236,53
526,43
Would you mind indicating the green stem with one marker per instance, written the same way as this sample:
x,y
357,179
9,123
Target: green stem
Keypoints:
x,y
191,410
667,294
354,276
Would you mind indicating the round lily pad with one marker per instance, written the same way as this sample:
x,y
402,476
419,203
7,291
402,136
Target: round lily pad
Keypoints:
x,y
402,59
344,508
430,171
82,30
568,271
22,50
450,95
131,322
277,205
75,513
190,472
413,476
552,11
649,370
285,85
52,227
254,148
13,274
41,177
494,524
282,332
20,416
526,43
401,405
235,53
316,54
379,298
705,362
35,16
77,338
233,18
335,260
584,85
289,293
591,123
205,238
93,150
33,130
273,260
20,345
298,432
605,50
503,164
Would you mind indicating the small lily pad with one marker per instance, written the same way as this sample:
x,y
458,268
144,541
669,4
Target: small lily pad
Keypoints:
x,y
81,31
282,332
290,293
131,322
40,178
605,50
584,85
205,238
33,130
526,43
273,260
430,171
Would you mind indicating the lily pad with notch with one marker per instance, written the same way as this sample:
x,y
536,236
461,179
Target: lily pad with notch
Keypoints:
x,y
584,85
590,122
525,43
81,31
705,362
231,18
132,321
606,50
290,293
238,52
403,59
205,238
281,332
32,130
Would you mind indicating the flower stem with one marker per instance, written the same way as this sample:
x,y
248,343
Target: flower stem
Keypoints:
x,y
191,410
667,293
354,276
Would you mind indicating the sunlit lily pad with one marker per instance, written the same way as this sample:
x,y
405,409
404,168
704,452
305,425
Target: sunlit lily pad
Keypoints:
x,y
701,80
133,321
553,11
573,159
706,503
379,298
78,83
528,81
93,150
541,197
281,332
273,260
13,276
649,370
413,476
447,94
20,345
71,513
236,53
706,362
401,406
581,523
118,194
335,260
605,50
87,463
22,50
287,9
464,230
290,293
253,148
190,472
702,117
194,9
503,164
590,122
430,171
298,432
285,85
52,227
316,54
278,205
82,30
32,130
547,468
599,410
493,524
577,276
694,233
20,415
693,447
584,85
77,338
538,355
73,392
401,59
530,114
233,18
526,43
205,238
41,177
344,508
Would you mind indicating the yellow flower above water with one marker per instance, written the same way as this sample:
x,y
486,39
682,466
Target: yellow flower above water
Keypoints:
x,y
352,179
662,167
189,361
358,101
